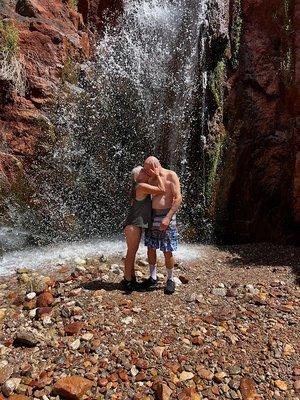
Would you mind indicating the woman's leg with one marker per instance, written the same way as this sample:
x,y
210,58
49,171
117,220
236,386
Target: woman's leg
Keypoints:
x,y
133,237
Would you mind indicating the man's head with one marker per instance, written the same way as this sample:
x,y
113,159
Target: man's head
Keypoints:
x,y
150,164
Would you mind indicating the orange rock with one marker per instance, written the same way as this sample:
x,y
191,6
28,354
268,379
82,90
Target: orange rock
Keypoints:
x,y
189,394
72,387
163,392
18,397
45,299
248,389
74,327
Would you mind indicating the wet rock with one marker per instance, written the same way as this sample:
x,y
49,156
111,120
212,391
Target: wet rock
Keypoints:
x,y
72,387
26,338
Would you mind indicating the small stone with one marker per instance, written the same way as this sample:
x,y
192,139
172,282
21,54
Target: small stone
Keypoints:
x,y
87,336
248,389
288,350
45,299
297,370
134,371
185,376
75,345
10,386
183,279
127,320
80,261
26,338
219,291
189,394
30,296
5,373
297,386
281,384
177,281
158,351
163,392
219,376
72,387
2,313
73,328
205,374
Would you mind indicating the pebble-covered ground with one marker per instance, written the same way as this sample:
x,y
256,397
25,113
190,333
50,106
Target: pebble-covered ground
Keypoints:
x,y
231,330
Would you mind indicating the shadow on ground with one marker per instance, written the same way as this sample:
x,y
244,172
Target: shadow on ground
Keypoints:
x,y
111,286
265,254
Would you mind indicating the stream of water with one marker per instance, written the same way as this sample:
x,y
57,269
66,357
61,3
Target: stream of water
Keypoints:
x,y
142,94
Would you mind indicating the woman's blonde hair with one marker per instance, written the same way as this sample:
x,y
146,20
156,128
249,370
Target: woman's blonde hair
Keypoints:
x,y
135,172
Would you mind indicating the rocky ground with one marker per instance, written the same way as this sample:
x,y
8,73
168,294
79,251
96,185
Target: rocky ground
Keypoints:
x,y
231,330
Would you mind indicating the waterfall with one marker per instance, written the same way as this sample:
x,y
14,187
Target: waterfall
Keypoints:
x,y
138,96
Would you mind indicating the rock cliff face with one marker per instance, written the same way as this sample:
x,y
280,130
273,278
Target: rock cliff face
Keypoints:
x,y
47,41
258,193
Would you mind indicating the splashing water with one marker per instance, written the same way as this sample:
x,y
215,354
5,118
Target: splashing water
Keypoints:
x,y
139,96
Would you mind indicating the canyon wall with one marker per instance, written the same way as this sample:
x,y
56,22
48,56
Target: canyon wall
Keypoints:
x,y
258,191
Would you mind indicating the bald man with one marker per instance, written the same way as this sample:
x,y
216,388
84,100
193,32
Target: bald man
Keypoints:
x,y
163,233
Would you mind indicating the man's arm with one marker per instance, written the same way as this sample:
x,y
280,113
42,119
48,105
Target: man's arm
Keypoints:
x,y
177,200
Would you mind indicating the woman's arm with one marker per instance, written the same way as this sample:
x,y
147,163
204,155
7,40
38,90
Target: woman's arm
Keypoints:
x,y
146,188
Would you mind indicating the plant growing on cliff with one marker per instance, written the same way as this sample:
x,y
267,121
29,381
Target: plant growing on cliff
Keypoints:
x,y
11,65
73,4
69,72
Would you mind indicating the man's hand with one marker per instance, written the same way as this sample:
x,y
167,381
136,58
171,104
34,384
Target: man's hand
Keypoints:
x,y
165,224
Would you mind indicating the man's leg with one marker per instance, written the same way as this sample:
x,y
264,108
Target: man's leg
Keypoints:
x,y
152,280
170,262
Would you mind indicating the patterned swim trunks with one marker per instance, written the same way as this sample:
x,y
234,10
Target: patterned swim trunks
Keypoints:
x,y
158,239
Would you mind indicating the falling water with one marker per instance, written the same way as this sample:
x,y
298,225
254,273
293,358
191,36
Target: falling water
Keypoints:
x,y
138,96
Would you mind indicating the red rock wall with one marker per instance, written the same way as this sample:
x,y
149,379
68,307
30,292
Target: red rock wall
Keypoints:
x,y
256,197
51,33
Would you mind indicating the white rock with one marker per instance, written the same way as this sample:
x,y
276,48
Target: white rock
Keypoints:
x,y
80,261
30,296
177,281
127,320
134,371
80,268
10,386
32,313
221,285
160,276
219,291
75,345
139,274
47,320
87,336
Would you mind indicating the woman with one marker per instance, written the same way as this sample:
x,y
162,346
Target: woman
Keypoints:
x,y
139,217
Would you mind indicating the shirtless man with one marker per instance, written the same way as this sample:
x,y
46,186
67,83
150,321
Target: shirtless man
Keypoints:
x,y
163,233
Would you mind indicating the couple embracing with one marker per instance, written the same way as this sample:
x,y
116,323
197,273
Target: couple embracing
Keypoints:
x,y
155,199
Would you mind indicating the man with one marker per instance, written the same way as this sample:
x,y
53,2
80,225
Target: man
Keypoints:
x,y
163,233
